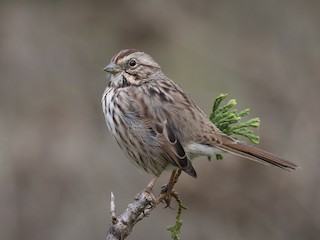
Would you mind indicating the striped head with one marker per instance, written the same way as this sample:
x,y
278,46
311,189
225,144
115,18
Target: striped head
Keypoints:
x,y
130,67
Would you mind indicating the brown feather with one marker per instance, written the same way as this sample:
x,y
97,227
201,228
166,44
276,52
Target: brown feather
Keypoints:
x,y
255,154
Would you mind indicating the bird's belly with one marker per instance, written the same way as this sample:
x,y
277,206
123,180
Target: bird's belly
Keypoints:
x,y
197,149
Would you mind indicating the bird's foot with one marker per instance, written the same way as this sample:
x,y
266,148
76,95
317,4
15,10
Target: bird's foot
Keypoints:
x,y
167,190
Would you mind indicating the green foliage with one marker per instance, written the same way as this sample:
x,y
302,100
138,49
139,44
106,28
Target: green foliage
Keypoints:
x,y
228,120
175,229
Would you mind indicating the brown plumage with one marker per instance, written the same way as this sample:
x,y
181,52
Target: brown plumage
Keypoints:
x,y
158,125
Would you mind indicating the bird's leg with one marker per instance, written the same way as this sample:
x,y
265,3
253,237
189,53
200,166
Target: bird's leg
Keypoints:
x,y
166,190
150,185
177,175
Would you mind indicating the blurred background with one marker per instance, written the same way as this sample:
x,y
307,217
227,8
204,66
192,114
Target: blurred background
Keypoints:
x,y
58,162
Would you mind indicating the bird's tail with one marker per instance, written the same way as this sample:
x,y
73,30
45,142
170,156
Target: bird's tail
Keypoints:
x,y
255,154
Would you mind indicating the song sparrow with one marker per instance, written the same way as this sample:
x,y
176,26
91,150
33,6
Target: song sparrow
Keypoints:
x,y
158,125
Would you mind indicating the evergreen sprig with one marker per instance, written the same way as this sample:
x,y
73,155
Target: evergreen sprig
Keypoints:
x,y
175,229
228,120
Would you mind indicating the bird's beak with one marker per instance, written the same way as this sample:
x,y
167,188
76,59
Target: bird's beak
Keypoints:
x,y
112,68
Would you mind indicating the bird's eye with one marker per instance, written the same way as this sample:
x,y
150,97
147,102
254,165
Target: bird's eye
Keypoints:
x,y
132,63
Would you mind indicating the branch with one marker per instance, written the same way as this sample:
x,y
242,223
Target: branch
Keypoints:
x,y
143,204
141,207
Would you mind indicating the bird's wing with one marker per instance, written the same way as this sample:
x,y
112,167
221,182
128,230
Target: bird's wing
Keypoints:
x,y
156,127
172,149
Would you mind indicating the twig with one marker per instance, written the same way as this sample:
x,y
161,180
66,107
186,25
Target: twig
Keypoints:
x,y
141,207
114,219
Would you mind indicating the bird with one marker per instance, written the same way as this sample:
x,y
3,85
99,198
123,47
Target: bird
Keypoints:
x,y
158,125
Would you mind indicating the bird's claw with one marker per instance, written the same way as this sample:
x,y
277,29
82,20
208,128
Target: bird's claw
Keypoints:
x,y
166,192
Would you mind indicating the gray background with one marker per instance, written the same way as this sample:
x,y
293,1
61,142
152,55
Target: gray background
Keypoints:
x,y
58,163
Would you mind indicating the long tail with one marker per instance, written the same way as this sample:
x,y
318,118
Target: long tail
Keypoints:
x,y
255,154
